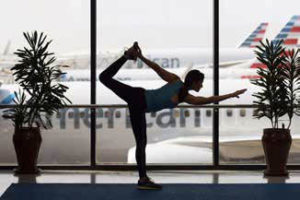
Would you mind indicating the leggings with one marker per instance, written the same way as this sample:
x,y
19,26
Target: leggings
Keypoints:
x,y
135,98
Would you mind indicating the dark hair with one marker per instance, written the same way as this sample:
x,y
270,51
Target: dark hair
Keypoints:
x,y
191,77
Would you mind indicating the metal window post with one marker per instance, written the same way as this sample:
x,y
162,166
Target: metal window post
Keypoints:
x,y
216,82
93,35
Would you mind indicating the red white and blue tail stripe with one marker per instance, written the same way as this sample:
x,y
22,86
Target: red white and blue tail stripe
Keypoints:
x,y
257,35
290,34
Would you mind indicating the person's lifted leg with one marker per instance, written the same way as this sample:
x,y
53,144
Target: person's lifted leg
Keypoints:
x,y
124,91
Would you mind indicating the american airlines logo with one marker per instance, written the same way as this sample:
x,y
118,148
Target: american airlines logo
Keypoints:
x,y
115,117
172,62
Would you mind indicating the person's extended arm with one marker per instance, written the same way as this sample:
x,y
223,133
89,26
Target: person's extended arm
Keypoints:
x,y
164,74
213,99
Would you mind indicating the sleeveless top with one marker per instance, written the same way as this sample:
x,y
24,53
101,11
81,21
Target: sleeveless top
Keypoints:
x,y
160,98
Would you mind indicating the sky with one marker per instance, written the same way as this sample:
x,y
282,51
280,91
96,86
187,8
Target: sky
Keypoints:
x,y
155,23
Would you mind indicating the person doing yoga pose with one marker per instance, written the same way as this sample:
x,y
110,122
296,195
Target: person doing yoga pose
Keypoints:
x,y
140,101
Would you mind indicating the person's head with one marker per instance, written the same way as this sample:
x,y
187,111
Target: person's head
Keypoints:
x,y
194,80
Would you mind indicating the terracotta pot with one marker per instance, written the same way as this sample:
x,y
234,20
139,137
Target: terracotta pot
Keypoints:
x,y
27,142
276,144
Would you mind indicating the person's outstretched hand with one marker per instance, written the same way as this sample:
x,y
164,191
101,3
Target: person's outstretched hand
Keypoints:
x,y
238,92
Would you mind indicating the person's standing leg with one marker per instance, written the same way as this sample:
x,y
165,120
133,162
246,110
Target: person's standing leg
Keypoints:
x,y
138,123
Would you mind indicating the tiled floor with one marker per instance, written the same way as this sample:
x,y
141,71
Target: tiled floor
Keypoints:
x,y
48,176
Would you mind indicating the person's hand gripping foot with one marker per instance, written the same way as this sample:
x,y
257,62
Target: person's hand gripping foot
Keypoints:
x,y
132,52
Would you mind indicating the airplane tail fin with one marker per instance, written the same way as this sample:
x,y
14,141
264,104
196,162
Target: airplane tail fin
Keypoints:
x,y
256,36
7,47
290,34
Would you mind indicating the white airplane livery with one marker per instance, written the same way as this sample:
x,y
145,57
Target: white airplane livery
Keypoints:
x,y
176,60
180,57
167,58
238,71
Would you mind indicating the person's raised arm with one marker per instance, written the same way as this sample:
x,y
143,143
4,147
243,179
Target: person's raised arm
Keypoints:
x,y
197,100
164,74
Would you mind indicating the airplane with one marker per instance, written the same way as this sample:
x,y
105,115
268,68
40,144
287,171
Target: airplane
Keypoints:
x,y
164,127
227,69
179,131
170,58
290,34
7,59
190,55
179,57
230,59
238,71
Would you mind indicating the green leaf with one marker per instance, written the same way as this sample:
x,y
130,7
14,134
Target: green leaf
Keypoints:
x,y
34,74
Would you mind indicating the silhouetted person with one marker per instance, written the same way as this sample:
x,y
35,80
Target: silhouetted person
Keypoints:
x,y
141,101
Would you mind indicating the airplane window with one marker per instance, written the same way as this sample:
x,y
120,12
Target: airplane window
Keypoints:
x,y
106,114
243,112
208,113
82,114
153,114
71,114
127,113
255,112
229,113
176,113
100,113
186,113
197,113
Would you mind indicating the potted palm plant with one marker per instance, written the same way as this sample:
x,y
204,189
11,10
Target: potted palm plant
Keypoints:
x,y
279,83
40,97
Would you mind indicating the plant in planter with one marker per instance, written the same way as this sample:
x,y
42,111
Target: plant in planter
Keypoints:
x,y
40,97
280,85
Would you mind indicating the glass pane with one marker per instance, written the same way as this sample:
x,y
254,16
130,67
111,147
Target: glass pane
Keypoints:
x,y
71,129
242,25
67,24
68,142
294,156
240,137
181,135
8,155
178,37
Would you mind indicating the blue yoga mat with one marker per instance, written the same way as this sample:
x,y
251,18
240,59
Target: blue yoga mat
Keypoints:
x,y
169,191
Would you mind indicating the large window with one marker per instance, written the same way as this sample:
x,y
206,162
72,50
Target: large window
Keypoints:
x,y
177,35
242,25
177,42
67,23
